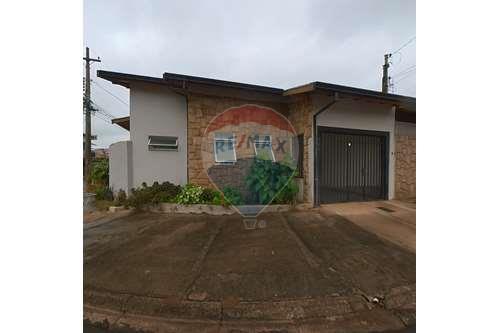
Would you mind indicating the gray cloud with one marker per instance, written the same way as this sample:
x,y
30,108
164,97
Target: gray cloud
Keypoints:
x,y
273,43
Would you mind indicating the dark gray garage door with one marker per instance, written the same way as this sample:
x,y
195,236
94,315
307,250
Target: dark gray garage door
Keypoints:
x,y
352,165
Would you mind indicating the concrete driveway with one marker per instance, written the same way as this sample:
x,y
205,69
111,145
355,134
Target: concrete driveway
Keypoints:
x,y
309,271
393,220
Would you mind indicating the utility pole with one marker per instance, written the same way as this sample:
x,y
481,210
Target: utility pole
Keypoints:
x,y
385,75
88,130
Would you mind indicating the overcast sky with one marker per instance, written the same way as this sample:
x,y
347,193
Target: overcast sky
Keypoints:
x,y
273,43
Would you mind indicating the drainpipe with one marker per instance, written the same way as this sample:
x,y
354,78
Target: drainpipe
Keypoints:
x,y
316,148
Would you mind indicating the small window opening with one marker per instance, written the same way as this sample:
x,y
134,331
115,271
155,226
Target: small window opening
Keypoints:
x,y
224,148
169,143
263,147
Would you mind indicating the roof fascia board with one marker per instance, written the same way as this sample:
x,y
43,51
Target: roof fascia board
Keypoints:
x,y
299,90
221,83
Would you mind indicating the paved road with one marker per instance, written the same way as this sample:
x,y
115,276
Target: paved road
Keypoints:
x,y
91,329
211,268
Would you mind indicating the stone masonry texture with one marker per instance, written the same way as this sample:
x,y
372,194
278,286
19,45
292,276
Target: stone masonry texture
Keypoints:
x,y
300,115
405,167
201,110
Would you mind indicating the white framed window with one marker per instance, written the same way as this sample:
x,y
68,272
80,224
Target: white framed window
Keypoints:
x,y
224,148
168,143
263,147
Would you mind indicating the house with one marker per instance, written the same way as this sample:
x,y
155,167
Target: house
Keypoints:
x,y
353,144
101,153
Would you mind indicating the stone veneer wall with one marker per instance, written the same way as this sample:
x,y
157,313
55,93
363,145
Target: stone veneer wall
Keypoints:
x,y
233,175
201,110
300,116
406,167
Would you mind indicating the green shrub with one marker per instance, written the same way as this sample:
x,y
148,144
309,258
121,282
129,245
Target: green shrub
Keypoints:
x,y
288,193
99,172
190,194
212,197
232,196
120,198
168,189
162,197
103,193
271,182
218,199
154,194
208,195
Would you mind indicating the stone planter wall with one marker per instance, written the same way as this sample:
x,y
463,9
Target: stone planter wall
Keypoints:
x,y
209,209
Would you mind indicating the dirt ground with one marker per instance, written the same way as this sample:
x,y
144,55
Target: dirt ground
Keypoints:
x,y
303,272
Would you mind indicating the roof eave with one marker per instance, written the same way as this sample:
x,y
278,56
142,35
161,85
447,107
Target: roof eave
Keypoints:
x,y
123,122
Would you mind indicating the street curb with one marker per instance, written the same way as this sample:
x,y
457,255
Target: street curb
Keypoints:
x,y
325,314
109,218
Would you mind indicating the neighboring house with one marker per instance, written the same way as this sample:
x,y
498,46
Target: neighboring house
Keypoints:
x,y
354,144
101,152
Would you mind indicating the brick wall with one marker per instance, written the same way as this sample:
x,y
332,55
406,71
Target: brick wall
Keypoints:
x,y
405,167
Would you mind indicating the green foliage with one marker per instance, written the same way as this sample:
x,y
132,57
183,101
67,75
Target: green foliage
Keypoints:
x,y
212,197
120,198
271,182
288,193
99,173
168,192
154,194
232,196
103,193
218,199
190,194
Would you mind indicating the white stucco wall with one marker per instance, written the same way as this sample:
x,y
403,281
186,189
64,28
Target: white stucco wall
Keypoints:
x,y
155,110
356,114
120,166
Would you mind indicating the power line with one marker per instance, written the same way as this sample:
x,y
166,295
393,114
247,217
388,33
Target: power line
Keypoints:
x,y
404,45
104,114
103,119
404,77
103,110
109,92
407,70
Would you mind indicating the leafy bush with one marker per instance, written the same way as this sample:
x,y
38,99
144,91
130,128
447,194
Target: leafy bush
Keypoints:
x,y
208,195
99,173
232,196
168,189
288,193
218,199
156,193
103,193
190,194
162,197
120,198
271,181
212,197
